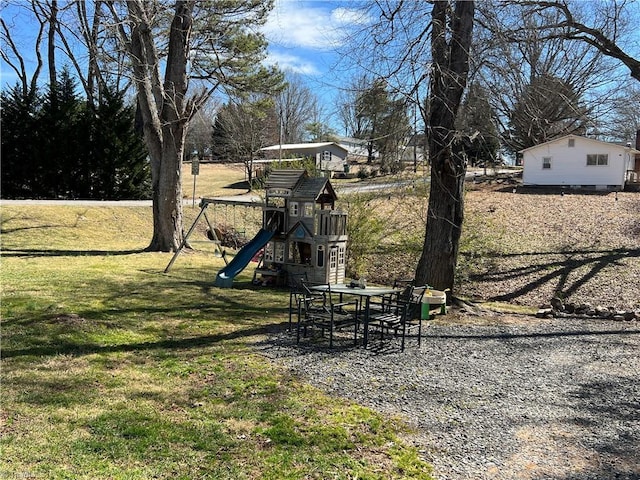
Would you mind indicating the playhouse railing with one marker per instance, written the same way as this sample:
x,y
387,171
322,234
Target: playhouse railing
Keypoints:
x,y
330,223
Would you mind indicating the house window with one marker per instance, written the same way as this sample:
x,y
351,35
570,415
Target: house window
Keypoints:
x,y
341,255
597,159
572,142
546,162
326,156
293,209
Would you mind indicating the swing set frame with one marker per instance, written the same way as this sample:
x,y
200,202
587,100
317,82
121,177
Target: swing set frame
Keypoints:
x,y
204,204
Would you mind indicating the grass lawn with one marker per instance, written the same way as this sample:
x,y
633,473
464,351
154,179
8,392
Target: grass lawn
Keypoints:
x,y
214,180
112,369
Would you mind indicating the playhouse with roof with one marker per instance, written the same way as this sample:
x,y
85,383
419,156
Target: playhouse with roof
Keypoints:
x,y
302,233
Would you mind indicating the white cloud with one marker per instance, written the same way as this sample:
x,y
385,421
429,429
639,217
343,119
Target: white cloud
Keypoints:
x,y
304,35
291,63
349,16
315,25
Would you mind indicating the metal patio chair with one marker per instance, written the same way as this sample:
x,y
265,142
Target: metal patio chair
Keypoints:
x,y
398,315
318,309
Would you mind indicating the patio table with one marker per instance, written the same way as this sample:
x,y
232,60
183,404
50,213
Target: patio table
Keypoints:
x,y
365,293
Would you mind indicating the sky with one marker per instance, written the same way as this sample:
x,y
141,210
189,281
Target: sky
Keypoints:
x,y
309,38
304,38
304,35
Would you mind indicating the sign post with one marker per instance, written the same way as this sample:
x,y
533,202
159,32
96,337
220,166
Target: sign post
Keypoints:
x,y
195,170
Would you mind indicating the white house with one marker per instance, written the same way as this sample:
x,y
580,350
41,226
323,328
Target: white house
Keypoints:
x,y
329,156
357,148
578,162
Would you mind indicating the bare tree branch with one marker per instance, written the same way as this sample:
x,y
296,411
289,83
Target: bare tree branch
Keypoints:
x,y
572,29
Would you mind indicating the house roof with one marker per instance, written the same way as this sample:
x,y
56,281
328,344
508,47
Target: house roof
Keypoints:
x,y
298,147
555,140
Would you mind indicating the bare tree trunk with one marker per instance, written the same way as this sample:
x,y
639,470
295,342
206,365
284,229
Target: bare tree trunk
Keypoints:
x,y
168,229
165,115
446,199
51,46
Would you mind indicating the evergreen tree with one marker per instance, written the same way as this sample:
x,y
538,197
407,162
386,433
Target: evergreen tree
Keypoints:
x,y
61,144
60,147
116,156
20,127
477,124
383,122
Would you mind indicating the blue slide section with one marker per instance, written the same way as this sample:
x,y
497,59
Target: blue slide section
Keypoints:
x,y
243,257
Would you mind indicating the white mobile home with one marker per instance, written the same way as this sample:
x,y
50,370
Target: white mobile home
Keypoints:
x,y
328,156
578,162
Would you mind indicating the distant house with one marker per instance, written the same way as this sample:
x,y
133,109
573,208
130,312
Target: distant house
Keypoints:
x,y
328,156
358,149
578,162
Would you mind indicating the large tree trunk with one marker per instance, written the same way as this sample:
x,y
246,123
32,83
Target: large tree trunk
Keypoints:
x,y
168,228
164,111
445,213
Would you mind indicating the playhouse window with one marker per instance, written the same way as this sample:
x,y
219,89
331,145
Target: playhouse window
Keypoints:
x,y
320,257
299,252
268,252
308,209
572,142
333,259
546,162
341,255
293,209
305,252
279,255
597,159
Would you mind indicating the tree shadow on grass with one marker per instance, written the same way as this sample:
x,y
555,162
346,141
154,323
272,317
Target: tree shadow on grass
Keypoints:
x,y
79,349
558,271
158,304
242,185
38,252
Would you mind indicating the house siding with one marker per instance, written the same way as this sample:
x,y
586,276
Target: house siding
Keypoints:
x,y
314,151
337,159
569,164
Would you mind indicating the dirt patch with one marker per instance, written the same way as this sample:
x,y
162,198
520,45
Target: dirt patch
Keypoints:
x,y
526,247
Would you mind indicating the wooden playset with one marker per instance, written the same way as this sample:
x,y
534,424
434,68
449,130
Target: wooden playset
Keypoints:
x,y
309,235
302,234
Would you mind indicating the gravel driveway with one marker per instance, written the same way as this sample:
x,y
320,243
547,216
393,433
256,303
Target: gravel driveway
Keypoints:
x,y
520,398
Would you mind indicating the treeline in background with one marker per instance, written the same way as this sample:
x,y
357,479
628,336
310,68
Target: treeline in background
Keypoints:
x,y
56,145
